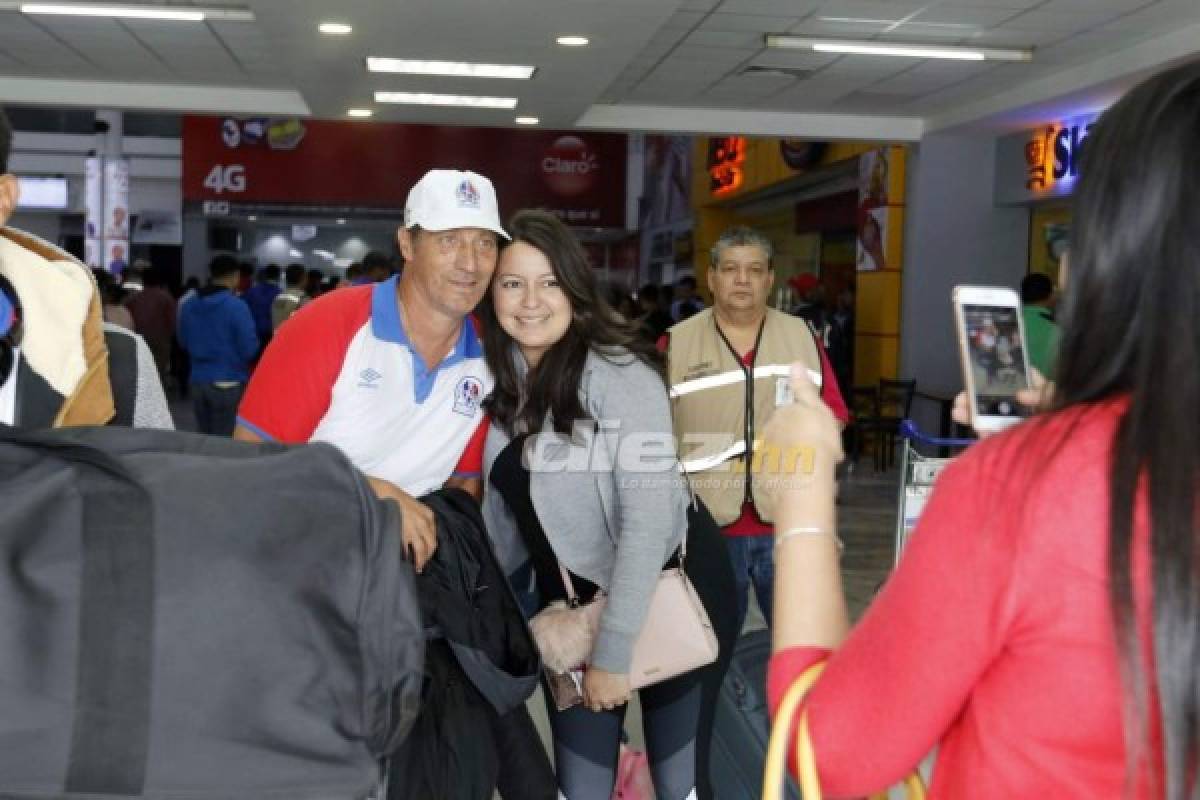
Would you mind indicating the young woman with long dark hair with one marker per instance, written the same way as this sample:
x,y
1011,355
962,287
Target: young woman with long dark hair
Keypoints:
x,y
1042,626
573,376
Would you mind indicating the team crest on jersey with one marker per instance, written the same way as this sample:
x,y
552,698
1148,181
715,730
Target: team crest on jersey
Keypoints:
x,y
468,195
467,396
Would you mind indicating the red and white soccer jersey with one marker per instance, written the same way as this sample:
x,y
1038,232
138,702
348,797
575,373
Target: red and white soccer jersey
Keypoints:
x,y
341,370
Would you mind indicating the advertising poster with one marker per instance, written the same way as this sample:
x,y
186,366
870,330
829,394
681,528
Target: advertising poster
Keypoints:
x,y
579,176
93,238
667,180
116,215
872,210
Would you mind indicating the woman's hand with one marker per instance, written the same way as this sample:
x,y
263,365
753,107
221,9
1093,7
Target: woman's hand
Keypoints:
x,y
604,691
1038,396
800,445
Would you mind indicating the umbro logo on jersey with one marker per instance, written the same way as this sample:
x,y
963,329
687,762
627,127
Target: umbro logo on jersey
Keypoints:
x,y
369,378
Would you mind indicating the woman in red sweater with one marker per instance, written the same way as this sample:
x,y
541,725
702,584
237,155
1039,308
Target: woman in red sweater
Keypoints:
x,y
1042,628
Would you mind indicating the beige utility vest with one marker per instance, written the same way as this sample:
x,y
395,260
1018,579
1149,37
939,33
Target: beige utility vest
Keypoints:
x,y
718,404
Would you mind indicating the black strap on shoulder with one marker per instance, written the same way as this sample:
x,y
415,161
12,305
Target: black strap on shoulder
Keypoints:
x,y
37,403
123,375
111,735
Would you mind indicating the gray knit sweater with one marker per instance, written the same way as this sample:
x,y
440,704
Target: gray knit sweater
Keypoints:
x,y
613,504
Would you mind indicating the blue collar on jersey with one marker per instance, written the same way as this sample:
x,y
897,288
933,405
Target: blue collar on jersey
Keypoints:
x,y
386,326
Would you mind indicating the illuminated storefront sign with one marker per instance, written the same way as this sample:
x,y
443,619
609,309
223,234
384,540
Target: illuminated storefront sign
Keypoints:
x,y
726,159
1041,163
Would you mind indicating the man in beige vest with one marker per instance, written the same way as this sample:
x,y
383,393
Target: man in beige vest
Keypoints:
x,y
728,369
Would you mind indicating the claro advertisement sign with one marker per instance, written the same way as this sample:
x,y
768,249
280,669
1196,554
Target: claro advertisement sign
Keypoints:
x,y
581,177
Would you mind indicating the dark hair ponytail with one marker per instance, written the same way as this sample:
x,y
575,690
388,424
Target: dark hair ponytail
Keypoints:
x,y
1132,327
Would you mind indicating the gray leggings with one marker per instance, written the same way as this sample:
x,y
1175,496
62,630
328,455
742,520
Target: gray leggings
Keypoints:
x,y
587,743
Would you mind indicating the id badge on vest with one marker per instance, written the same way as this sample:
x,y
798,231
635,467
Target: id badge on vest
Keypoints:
x,y
783,392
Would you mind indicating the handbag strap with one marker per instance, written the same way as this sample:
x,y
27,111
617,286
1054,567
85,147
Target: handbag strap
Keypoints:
x,y
774,773
569,585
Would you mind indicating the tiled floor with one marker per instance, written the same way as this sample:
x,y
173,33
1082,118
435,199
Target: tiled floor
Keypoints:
x,y
867,524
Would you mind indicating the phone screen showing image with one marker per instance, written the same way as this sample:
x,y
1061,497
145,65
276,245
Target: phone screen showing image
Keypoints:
x,y
996,358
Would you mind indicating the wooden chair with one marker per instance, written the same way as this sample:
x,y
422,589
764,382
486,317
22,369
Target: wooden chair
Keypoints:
x,y
864,416
895,404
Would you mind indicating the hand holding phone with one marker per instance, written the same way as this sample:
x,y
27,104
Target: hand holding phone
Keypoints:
x,y
991,339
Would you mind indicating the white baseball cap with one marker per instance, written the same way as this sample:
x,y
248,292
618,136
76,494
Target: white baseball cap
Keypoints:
x,y
448,198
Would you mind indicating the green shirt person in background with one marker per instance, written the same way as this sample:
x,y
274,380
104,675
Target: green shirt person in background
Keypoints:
x,y
1038,298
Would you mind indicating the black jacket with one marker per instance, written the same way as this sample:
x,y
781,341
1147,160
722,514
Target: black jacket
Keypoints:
x,y
482,666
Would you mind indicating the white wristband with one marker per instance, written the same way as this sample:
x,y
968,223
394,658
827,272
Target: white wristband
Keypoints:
x,y
782,537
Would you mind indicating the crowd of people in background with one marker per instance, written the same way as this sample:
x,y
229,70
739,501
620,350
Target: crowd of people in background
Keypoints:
x,y
144,300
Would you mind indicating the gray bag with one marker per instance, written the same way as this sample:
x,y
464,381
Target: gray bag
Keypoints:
x,y
195,618
741,731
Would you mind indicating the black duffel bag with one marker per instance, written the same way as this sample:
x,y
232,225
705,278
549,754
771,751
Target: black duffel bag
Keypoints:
x,y
194,618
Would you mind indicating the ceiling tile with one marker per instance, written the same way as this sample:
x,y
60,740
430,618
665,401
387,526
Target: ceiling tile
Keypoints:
x,y
937,34
1017,5
682,72
668,37
1090,45
794,59
965,16
869,67
951,70
929,77
754,85
807,96
1072,6
685,19
1162,16
818,27
716,56
753,23
1067,22
783,8
871,9
1011,37
872,103
698,5
740,39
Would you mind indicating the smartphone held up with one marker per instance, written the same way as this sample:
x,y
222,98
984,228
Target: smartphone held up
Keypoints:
x,y
991,340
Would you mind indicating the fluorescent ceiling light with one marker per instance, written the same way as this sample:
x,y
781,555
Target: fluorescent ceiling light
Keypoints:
x,y
341,222
883,48
360,113
911,52
252,218
454,69
157,12
527,120
573,41
427,99
335,28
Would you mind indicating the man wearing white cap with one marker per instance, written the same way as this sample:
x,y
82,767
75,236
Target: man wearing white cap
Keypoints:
x,y
393,373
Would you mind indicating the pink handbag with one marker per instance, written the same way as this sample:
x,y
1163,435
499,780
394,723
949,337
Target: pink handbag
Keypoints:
x,y
677,636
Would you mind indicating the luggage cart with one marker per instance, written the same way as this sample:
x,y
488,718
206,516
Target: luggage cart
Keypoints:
x,y
918,473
